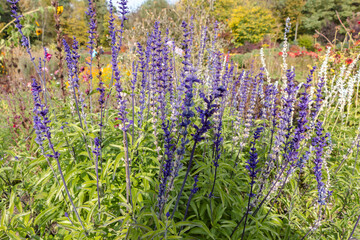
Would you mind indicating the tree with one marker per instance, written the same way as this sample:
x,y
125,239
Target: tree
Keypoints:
x,y
223,9
319,12
292,9
251,24
74,19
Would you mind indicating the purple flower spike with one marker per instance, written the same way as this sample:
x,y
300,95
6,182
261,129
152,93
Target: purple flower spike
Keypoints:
x,y
319,142
167,168
253,160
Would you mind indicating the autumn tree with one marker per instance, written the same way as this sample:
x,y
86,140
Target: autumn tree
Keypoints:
x,y
292,9
251,24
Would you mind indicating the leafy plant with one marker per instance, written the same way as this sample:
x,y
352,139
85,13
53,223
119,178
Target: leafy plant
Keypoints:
x,y
307,42
250,24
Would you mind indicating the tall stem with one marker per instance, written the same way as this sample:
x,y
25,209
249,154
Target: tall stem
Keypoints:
x,y
184,181
247,210
133,116
68,193
127,170
97,179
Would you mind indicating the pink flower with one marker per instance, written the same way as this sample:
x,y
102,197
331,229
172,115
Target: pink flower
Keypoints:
x,y
48,56
227,57
292,55
56,72
85,78
312,54
116,125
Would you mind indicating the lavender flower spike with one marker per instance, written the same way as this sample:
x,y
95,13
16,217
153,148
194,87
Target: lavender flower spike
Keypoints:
x,y
319,142
187,114
205,115
43,125
251,167
167,168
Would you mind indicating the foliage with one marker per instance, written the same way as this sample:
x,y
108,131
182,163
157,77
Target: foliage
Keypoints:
x,y
250,24
224,8
307,42
292,9
318,12
75,21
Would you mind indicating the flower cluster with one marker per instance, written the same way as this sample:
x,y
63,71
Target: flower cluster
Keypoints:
x,y
303,120
253,159
319,142
187,114
205,114
167,168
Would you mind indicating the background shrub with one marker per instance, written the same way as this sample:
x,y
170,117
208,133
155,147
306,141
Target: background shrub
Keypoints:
x,y
251,24
307,42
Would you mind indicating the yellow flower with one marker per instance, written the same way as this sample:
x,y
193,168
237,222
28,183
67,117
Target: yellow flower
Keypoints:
x,y
38,32
59,10
37,24
67,84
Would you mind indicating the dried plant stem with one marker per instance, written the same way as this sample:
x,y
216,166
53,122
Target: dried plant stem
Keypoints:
x,y
59,55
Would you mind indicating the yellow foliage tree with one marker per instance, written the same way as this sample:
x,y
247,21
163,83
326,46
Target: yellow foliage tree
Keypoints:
x,y
223,9
251,24
75,22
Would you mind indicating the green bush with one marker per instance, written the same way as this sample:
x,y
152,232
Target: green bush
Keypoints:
x,y
307,42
